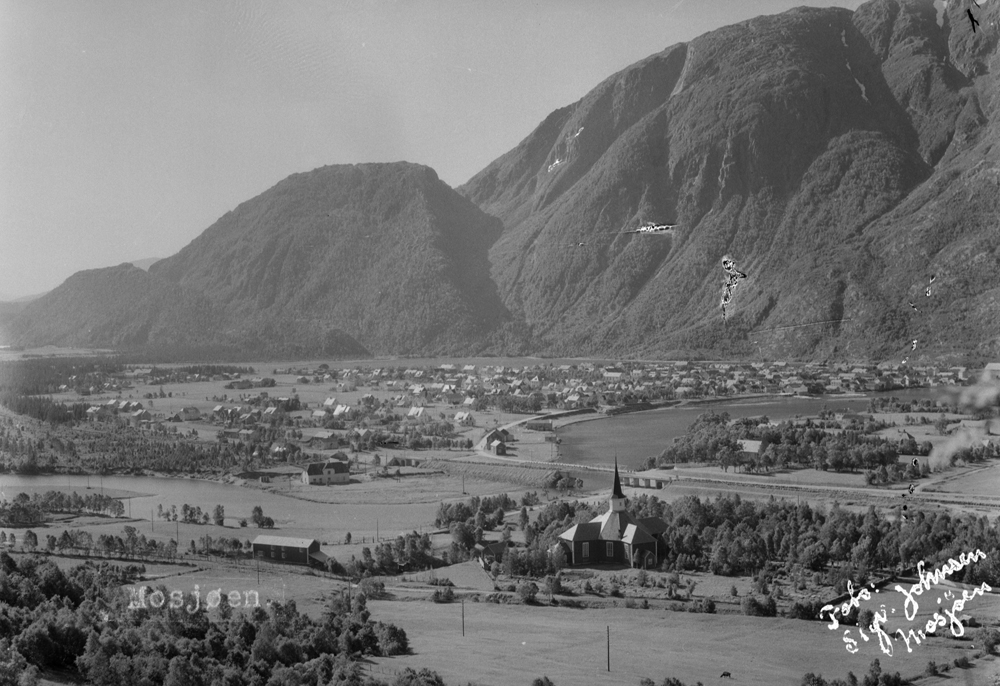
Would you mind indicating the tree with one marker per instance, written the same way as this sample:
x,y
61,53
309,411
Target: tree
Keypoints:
x,y
527,591
522,519
257,517
219,515
347,538
542,681
30,542
941,424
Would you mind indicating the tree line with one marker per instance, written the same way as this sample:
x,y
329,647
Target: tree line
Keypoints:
x,y
25,510
79,621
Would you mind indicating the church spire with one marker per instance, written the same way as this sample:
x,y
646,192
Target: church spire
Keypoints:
x,y
617,492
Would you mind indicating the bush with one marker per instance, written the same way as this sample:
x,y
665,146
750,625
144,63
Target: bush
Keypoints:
x,y
809,610
732,591
615,591
932,669
391,639
542,681
587,588
641,577
372,588
443,596
708,606
989,638
754,608
962,662
527,591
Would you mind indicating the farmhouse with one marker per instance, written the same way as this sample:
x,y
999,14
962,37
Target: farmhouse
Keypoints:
x,y
296,551
615,537
329,472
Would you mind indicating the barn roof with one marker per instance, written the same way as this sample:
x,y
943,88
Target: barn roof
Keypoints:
x,y
284,541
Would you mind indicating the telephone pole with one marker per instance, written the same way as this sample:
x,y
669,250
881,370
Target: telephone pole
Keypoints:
x,y
463,616
609,647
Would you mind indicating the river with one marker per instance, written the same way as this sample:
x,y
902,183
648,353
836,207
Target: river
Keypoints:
x,y
634,437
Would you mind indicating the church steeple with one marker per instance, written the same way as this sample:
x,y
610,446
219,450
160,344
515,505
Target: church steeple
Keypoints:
x,y
617,497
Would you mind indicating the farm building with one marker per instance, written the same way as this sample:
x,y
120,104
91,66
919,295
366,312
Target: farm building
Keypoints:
x,y
538,425
489,553
615,537
296,551
749,449
992,371
329,472
498,447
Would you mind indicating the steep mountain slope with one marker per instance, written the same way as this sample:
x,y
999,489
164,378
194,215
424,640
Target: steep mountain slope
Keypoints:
x,y
343,260
387,253
802,144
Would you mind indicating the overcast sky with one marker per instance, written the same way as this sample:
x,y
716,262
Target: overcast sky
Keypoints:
x,y
127,128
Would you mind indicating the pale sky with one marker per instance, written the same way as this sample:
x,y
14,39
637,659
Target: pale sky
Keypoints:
x,y
127,128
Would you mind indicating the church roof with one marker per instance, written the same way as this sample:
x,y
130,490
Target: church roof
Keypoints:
x,y
636,536
617,492
582,532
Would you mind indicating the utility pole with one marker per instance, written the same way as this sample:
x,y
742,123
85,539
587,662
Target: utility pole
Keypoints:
x,y
152,523
609,647
258,567
463,616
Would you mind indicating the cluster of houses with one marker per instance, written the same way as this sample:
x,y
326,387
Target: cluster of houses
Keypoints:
x,y
567,387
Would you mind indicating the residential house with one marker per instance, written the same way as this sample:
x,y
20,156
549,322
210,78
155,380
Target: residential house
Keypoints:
x,y
329,472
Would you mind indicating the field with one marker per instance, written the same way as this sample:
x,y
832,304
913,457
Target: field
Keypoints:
x,y
507,644
976,481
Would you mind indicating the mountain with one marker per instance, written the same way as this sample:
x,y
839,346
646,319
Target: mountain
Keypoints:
x,y
347,260
840,158
145,263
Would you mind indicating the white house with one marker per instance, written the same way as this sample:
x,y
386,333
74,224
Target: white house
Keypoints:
x,y
329,472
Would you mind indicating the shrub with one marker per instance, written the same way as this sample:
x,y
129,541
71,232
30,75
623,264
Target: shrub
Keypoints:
x,y
809,610
527,591
754,608
641,577
708,606
615,591
542,681
962,662
932,669
587,588
989,638
391,639
443,596
732,591
372,588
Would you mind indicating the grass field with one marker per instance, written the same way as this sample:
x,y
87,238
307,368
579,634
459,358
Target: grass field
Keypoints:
x,y
513,644
975,481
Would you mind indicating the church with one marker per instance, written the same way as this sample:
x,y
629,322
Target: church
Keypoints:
x,y
615,537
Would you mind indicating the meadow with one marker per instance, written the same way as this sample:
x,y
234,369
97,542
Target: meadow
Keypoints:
x,y
510,644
